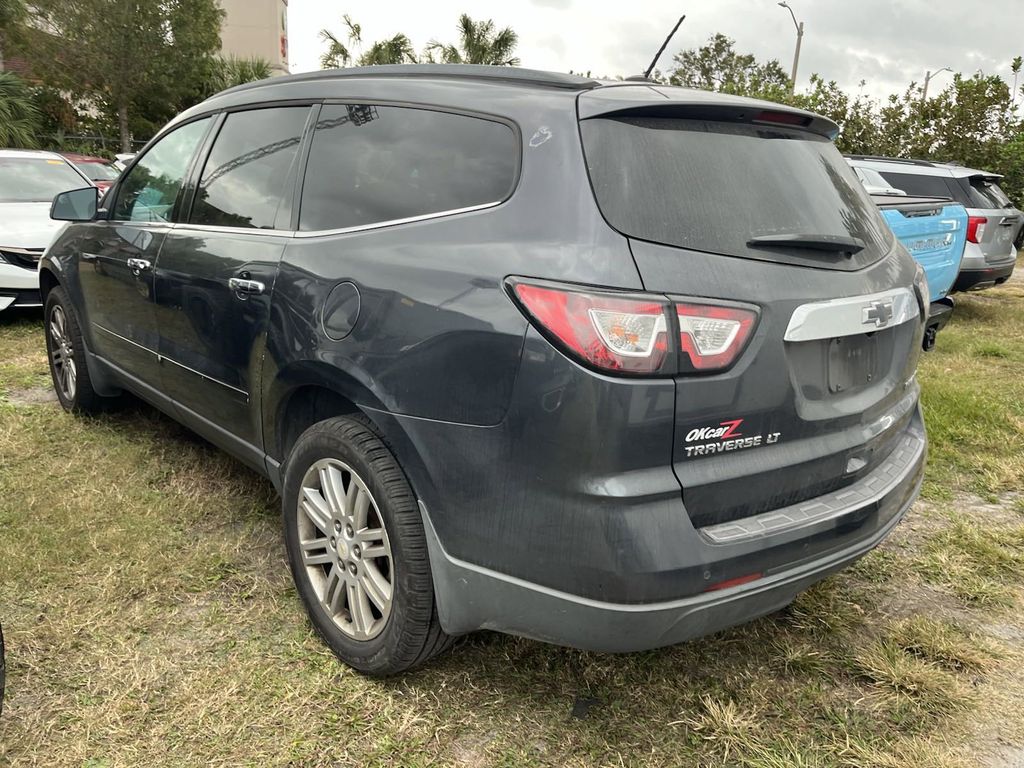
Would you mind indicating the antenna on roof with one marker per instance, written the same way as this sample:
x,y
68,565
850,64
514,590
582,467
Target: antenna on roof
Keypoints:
x,y
664,45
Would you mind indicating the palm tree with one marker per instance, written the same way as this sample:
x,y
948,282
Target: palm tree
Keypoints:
x,y
338,54
393,50
19,117
233,70
479,43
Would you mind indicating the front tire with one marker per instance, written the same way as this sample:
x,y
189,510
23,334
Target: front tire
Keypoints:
x,y
357,550
65,352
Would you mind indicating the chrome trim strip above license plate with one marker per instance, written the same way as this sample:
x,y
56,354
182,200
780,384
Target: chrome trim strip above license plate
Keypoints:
x,y
852,315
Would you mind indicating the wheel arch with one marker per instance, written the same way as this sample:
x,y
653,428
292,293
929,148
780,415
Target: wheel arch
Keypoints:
x,y
306,393
48,280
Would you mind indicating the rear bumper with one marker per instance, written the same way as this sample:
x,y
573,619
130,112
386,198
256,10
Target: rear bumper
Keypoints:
x,y
976,279
472,597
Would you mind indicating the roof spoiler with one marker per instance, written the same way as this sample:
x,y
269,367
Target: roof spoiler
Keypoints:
x,y
670,101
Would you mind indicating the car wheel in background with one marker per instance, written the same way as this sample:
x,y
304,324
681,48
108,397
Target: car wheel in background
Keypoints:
x,y
357,549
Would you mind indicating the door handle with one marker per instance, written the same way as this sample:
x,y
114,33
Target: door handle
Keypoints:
x,y
243,287
139,265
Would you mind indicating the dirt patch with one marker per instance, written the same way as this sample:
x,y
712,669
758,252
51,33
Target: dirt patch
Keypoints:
x,y
32,396
1007,757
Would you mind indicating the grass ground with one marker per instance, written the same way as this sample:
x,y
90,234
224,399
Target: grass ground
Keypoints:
x,y
150,619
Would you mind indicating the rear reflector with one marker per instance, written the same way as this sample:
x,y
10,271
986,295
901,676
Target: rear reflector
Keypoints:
x,y
713,336
734,582
619,334
976,228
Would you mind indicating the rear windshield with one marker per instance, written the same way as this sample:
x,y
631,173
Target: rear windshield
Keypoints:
x,y
36,179
712,186
985,193
100,171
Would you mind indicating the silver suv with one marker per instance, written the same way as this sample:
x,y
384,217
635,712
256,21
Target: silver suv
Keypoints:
x,y
993,223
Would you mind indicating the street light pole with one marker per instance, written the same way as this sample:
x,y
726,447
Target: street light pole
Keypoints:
x,y
799,39
928,76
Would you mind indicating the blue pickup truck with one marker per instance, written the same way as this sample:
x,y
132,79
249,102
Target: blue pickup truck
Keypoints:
x,y
934,230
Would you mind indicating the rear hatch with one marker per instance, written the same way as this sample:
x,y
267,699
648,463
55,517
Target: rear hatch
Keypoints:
x,y
730,202
933,231
1000,220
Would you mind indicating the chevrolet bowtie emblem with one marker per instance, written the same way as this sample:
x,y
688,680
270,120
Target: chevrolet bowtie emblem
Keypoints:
x,y
877,313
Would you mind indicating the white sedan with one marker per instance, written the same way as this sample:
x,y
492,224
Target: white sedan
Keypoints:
x,y
28,182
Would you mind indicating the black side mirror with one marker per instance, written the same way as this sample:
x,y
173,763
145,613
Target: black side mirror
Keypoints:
x,y
76,205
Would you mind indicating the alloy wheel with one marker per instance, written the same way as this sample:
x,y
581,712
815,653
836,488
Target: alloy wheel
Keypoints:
x,y
62,353
345,549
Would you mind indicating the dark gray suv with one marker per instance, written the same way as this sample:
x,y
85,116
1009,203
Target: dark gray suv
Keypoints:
x,y
607,365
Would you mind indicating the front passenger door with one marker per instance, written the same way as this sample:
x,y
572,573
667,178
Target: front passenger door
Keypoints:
x,y
217,270
118,254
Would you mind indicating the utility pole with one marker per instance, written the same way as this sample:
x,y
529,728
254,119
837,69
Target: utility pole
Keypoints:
x,y
928,76
799,39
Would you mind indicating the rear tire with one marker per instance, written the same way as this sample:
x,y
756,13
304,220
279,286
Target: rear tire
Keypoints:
x,y
357,550
65,353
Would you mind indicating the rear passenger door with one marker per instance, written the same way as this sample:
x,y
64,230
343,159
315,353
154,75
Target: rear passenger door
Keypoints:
x,y
217,270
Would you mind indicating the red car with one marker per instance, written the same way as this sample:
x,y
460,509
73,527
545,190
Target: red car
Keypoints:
x,y
99,169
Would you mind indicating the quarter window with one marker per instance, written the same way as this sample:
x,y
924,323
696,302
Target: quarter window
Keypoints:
x,y
922,185
373,164
151,187
248,172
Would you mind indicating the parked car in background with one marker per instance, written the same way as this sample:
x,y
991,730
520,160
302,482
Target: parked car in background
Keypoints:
x,y
607,365
993,221
28,182
122,159
103,172
934,231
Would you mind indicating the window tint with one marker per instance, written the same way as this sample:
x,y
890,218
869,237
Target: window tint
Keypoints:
x,y
149,190
714,186
919,185
985,193
371,164
248,171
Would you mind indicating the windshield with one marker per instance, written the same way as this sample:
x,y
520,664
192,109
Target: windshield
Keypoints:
x,y
716,186
35,179
100,171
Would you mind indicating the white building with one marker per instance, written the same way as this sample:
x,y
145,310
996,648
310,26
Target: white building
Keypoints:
x,y
256,28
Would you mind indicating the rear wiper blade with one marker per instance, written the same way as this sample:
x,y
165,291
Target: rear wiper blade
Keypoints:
x,y
834,243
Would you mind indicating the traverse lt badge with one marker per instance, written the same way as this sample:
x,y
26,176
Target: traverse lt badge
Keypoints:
x,y
877,313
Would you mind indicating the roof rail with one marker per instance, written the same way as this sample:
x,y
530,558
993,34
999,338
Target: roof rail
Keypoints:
x,y
483,72
905,160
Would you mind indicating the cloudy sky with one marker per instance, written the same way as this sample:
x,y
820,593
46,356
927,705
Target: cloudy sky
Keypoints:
x,y
886,43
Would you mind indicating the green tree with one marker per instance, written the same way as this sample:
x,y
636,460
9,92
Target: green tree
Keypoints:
x,y
19,117
147,57
716,66
341,53
479,43
230,71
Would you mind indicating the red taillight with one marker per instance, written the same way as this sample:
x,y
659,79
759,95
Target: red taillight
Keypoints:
x,y
712,337
976,228
630,333
626,335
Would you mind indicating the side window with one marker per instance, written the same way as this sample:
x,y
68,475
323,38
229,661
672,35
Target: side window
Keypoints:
x,y
918,185
372,164
248,170
149,190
